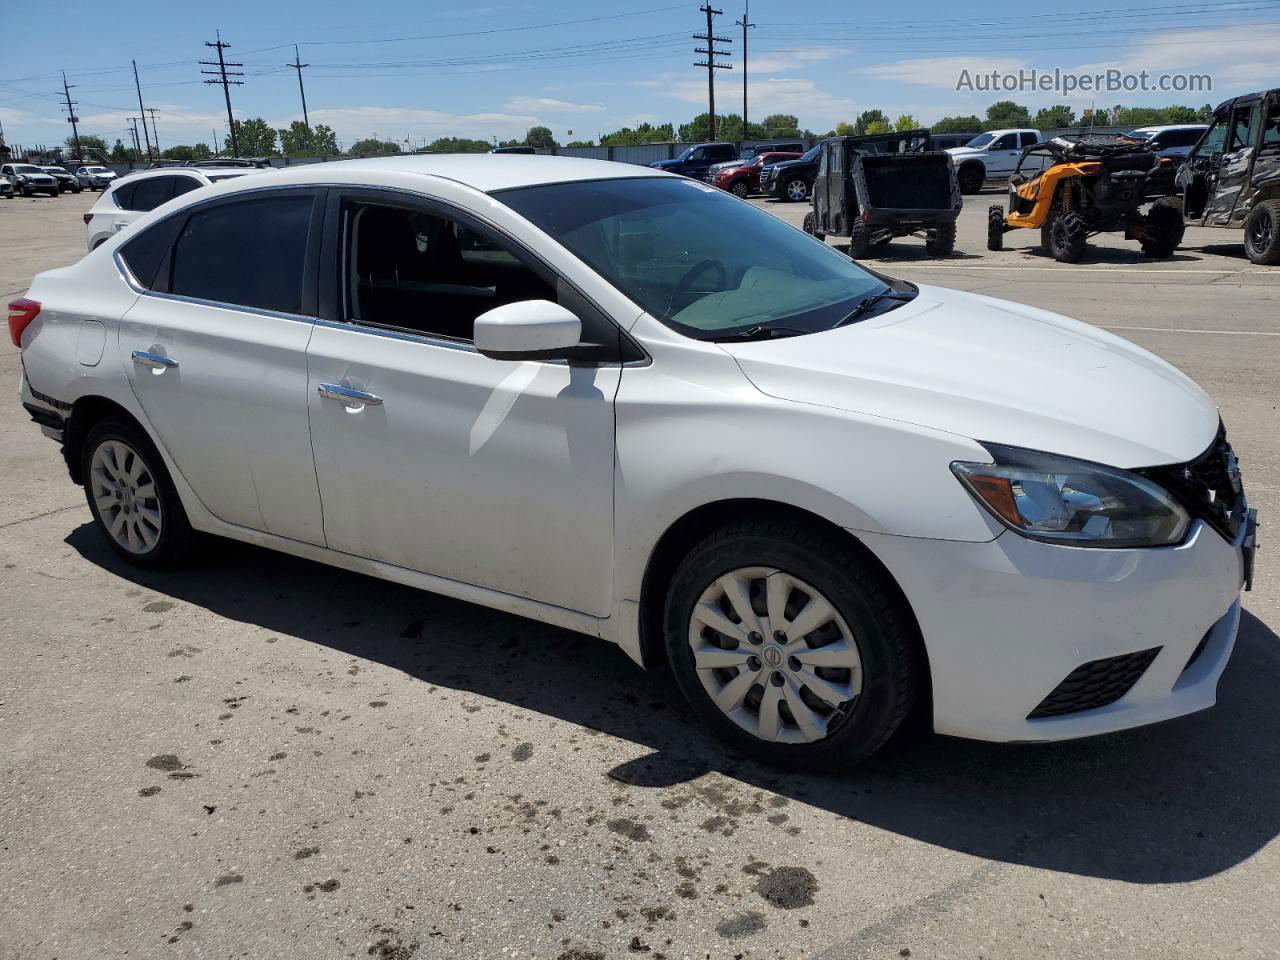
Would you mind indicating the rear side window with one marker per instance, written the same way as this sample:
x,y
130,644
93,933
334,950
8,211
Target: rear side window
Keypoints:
x,y
249,253
123,195
144,254
1271,131
183,185
1180,138
1027,139
150,193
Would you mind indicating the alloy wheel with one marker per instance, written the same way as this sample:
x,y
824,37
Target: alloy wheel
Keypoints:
x,y
1260,230
774,655
797,190
124,491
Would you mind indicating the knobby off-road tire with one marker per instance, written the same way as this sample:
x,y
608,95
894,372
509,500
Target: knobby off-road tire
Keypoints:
x,y
995,227
132,497
859,239
1262,234
1165,226
867,621
810,226
940,241
1066,236
971,179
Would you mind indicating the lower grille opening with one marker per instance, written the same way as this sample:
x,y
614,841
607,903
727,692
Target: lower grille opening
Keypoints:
x,y
1095,684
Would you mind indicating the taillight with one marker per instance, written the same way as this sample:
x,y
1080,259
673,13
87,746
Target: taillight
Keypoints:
x,y
87,217
21,312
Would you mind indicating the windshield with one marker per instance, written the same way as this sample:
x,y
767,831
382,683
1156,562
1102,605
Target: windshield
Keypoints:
x,y
684,154
26,168
981,140
1139,134
95,169
812,152
700,261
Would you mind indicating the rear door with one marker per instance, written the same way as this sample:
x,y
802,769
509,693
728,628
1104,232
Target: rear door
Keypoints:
x,y
1237,159
215,349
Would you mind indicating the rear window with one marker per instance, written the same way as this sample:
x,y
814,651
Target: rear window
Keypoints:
x,y
145,253
249,253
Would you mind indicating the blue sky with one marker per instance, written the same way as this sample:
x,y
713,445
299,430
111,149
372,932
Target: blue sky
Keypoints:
x,y
411,70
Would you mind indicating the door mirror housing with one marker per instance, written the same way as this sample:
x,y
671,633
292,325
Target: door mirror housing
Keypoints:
x,y
527,330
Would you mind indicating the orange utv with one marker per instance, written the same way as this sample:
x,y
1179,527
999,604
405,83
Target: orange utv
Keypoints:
x,y
1095,184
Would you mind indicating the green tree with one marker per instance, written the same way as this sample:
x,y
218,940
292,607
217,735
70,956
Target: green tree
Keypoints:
x,y
1055,117
88,141
374,148
645,133
877,127
969,124
1099,117
905,122
781,125
865,119
1006,113
457,145
122,154
199,151
541,138
299,141
255,138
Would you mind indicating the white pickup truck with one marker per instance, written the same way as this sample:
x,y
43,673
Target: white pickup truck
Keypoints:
x,y
990,156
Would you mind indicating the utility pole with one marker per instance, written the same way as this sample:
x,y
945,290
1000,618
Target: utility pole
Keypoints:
x,y
155,134
137,144
710,63
142,110
71,113
221,76
298,65
746,24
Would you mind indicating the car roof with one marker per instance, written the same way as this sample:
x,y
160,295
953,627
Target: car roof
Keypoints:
x,y
486,172
1159,128
198,172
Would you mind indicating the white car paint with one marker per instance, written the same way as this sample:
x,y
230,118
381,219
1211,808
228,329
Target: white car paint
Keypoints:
x,y
109,215
999,156
543,489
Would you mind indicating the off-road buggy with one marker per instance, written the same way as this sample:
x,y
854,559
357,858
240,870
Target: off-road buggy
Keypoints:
x,y
1232,177
1094,184
874,188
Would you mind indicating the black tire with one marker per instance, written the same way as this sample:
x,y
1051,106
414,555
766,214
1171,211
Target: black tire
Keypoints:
x,y
810,226
174,545
1068,237
995,227
882,629
1165,226
859,239
971,178
27,191
740,189
940,241
1262,234
795,190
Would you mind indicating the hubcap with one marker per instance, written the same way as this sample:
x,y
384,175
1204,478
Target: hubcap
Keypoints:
x,y
124,491
796,190
774,655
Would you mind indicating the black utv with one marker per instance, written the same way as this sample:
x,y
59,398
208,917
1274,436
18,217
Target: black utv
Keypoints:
x,y
874,188
1232,176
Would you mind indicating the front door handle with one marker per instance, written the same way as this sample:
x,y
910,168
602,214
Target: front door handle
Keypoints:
x,y
157,361
350,395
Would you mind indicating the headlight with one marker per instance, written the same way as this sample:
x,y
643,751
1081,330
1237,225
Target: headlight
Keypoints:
x,y
1060,500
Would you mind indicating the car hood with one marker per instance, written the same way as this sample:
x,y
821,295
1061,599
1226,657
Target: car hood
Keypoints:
x,y
991,370
965,151
665,164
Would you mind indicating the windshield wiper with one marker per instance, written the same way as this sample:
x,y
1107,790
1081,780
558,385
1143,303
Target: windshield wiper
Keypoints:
x,y
761,332
862,309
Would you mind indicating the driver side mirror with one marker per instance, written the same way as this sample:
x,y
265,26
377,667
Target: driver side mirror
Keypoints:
x,y
527,330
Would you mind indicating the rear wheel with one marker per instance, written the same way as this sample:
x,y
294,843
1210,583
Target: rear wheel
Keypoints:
x,y
859,239
1164,228
1262,233
131,496
790,645
940,241
740,190
971,178
810,226
1068,236
995,227
796,190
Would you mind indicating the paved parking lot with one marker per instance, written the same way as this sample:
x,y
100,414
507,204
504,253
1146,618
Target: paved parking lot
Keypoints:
x,y
267,757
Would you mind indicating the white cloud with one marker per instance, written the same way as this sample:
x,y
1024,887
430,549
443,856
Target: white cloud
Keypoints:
x,y
780,61
395,123
814,107
551,105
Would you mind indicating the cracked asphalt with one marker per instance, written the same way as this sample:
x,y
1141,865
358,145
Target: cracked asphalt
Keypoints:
x,y
261,756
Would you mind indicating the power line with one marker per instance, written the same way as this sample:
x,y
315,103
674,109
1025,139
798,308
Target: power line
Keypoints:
x,y
154,132
711,52
71,113
223,75
142,110
746,24
298,65
133,129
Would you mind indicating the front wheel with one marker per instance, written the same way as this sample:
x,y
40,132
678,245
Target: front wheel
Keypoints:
x,y
970,179
131,496
1164,228
790,645
796,190
995,227
1262,233
940,241
810,226
859,239
1068,236
740,190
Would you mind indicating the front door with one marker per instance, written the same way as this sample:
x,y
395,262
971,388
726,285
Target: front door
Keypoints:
x,y
216,355
1237,160
488,472
1002,157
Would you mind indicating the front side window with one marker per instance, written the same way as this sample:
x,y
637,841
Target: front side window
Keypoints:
x,y
700,262
1214,140
1008,142
249,253
981,140
413,270
1242,127
1027,139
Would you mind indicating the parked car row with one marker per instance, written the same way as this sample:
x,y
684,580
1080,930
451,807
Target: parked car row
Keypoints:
x,y
30,179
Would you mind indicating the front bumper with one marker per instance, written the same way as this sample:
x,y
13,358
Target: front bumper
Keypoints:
x,y
1008,624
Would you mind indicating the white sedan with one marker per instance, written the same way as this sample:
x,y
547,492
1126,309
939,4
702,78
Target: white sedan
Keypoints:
x,y
631,405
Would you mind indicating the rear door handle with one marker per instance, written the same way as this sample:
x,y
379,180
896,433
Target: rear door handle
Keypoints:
x,y
157,361
350,395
